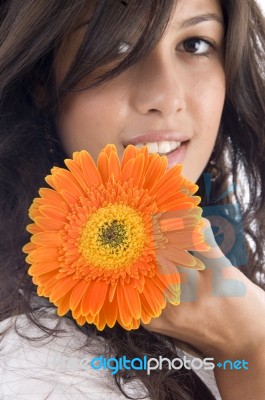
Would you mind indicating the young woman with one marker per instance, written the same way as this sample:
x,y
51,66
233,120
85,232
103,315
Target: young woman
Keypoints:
x,y
80,74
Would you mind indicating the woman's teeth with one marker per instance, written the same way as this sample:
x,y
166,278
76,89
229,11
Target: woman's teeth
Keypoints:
x,y
160,147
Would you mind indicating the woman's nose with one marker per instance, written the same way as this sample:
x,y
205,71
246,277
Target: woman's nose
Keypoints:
x,y
158,86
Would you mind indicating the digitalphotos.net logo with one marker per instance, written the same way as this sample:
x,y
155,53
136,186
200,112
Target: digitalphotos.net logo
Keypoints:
x,y
151,364
146,363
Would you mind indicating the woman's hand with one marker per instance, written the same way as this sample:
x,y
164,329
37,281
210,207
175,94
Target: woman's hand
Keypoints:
x,y
221,313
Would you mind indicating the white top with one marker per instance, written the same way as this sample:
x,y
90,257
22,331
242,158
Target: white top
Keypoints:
x,y
56,368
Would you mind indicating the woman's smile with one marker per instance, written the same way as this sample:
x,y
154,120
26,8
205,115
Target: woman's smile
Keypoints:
x,y
171,144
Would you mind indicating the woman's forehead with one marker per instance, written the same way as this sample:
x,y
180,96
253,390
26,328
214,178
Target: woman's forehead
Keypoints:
x,y
184,13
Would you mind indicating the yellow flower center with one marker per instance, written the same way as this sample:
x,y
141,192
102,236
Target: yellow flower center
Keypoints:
x,y
113,237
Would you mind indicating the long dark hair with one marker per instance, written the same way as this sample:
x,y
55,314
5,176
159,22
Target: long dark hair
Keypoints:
x,y
29,34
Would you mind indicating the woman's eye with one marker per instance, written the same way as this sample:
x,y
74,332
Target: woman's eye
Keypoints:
x,y
197,46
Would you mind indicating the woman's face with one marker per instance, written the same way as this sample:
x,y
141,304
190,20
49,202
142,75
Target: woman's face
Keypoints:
x,y
172,99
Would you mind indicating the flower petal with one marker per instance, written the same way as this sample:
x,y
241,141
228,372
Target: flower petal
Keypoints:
x,y
156,168
110,310
133,300
177,255
47,239
127,171
29,247
98,295
33,228
114,166
168,280
85,303
51,196
63,179
64,304
78,292
43,267
49,224
103,167
90,172
152,296
171,188
129,154
81,320
138,170
77,172
174,172
43,254
124,314
62,287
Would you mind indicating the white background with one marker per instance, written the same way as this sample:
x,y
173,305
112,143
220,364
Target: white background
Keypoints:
x,y
262,3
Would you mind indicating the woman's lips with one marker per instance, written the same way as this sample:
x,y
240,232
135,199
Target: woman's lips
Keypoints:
x,y
157,136
177,156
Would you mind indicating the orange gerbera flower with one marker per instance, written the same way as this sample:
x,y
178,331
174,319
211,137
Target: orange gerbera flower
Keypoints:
x,y
106,239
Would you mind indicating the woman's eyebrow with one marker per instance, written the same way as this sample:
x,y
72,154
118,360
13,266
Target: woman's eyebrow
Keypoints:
x,y
198,19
